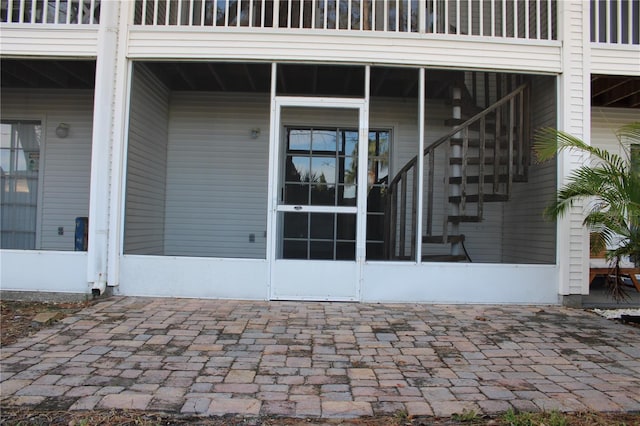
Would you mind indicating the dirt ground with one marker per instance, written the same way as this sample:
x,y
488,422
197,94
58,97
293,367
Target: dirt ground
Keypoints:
x,y
18,321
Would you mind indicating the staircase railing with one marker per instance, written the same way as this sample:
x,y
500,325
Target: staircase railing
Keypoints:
x,y
494,152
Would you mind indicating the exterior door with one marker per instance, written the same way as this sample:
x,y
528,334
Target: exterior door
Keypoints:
x,y
318,217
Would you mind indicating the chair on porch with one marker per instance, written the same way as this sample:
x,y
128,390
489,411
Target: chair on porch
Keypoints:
x,y
600,266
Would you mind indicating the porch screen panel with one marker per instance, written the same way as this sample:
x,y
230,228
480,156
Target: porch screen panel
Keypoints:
x,y
19,170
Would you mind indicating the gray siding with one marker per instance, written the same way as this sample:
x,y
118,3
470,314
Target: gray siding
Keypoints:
x,y
65,164
216,193
528,237
217,175
146,165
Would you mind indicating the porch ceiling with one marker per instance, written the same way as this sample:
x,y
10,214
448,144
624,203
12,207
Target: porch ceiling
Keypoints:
x,y
47,73
299,79
615,91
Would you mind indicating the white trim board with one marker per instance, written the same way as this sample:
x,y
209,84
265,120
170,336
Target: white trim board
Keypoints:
x,y
198,277
51,271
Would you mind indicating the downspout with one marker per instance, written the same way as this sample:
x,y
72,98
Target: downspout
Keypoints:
x,y
100,150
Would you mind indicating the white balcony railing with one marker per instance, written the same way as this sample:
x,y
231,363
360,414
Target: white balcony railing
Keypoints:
x,y
525,19
615,21
50,11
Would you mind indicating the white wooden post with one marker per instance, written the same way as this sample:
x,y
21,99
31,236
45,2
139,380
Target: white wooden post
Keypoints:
x,y
574,116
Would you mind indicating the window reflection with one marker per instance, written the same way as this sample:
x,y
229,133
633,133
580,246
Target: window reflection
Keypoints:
x,y
322,170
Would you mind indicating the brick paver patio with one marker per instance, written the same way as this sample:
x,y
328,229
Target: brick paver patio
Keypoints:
x,y
215,357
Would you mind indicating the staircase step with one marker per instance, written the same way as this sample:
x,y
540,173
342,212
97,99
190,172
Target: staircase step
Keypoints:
x,y
474,161
487,179
473,142
439,239
444,258
473,198
476,179
459,219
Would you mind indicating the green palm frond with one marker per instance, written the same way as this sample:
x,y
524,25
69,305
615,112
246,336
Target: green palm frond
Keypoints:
x,y
608,186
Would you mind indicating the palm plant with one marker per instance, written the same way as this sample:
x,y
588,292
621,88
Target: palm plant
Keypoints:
x,y
610,186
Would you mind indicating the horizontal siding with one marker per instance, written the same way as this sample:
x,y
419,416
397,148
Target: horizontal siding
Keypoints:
x,y
604,124
66,164
615,60
49,40
396,49
146,164
528,237
217,175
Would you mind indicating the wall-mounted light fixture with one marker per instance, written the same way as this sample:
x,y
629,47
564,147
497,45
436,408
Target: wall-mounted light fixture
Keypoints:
x,y
62,131
255,133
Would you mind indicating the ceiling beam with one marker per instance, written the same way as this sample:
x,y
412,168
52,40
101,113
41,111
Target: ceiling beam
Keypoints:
x,y
252,83
216,77
619,93
410,85
378,86
48,74
607,85
187,79
77,75
12,70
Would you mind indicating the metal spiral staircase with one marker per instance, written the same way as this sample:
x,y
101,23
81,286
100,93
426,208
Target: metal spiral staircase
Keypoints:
x,y
477,162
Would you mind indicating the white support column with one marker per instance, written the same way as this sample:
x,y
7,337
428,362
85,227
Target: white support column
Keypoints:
x,y
420,169
101,146
574,105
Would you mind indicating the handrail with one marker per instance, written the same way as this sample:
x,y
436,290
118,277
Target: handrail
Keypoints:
x,y
467,171
458,129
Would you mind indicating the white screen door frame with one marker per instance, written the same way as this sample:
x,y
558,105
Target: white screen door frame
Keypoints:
x,y
302,279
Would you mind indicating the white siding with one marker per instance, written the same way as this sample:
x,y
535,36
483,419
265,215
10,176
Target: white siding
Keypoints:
x,y
604,124
217,175
614,59
573,242
65,163
146,164
46,40
396,49
528,237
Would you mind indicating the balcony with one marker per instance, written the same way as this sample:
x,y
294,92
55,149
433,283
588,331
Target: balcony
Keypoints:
x,y
57,12
524,19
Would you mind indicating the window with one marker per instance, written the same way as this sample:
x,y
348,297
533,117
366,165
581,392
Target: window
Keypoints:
x,y
19,168
321,170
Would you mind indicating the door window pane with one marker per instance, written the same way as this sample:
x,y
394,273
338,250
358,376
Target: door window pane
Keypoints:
x,y
296,225
324,141
377,183
299,140
321,170
319,236
322,225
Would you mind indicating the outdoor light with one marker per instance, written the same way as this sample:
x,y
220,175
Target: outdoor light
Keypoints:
x,y
255,133
62,131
